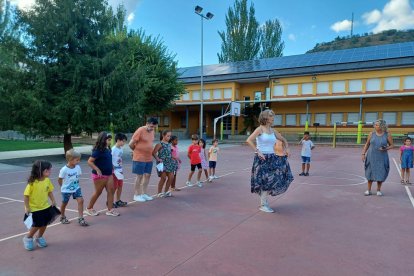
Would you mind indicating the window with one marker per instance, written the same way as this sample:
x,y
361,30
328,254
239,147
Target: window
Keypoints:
x,y
227,93
278,91
407,118
392,83
353,117
338,87
277,120
336,118
355,86
292,89
206,95
196,95
291,119
307,89
373,85
320,118
166,121
257,96
303,119
370,117
322,88
186,96
390,117
183,122
409,82
217,94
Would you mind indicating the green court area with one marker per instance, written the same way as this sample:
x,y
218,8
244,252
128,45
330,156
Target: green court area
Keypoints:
x,y
11,145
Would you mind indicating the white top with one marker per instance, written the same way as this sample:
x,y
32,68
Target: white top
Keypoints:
x,y
306,148
70,178
265,142
117,161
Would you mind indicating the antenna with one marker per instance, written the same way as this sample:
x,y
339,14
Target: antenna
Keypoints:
x,y
352,24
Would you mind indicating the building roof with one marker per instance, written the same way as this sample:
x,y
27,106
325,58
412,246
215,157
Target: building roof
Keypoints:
x,y
364,58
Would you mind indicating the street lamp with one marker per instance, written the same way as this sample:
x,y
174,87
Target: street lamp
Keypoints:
x,y
208,16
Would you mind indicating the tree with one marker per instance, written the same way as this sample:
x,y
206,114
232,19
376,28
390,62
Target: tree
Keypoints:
x,y
245,39
242,39
85,66
272,44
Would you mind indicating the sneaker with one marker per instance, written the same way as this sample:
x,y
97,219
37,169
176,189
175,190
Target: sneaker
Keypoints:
x,y
379,193
114,205
91,212
161,195
121,203
302,174
28,243
199,184
210,178
64,220
367,193
112,213
139,198
41,242
307,174
215,176
266,209
168,194
189,184
147,197
82,222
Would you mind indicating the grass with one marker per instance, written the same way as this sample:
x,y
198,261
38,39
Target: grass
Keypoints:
x,y
11,145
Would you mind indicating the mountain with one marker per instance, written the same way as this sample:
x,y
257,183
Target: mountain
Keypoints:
x,y
356,41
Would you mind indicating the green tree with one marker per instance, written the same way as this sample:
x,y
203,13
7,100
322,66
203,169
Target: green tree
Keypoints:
x,y
272,44
241,41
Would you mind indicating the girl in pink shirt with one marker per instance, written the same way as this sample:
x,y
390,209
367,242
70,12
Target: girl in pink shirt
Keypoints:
x,y
176,157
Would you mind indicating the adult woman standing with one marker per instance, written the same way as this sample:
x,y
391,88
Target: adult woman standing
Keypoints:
x,y
375,156
270,173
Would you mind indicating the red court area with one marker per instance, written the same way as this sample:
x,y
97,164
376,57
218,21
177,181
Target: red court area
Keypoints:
x,y
323,225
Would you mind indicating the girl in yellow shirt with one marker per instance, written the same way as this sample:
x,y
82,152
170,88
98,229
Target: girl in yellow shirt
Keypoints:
x,y
36,194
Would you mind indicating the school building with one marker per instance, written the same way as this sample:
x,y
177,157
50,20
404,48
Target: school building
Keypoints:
x,y
360,84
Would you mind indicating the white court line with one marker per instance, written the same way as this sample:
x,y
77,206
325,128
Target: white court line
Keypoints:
x,y
410,196
100,211
7,202
11,199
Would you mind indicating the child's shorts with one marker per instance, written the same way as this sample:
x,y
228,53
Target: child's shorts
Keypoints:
x,y
194,166
75,195
306,160
98,177
117,182
42,218
212,164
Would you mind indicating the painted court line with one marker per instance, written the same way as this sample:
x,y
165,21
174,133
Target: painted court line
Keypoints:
x,y
410,196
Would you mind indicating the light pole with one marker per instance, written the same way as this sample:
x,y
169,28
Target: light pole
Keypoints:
x,y
208,16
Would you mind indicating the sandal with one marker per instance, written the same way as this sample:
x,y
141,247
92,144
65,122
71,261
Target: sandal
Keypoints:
x,y
121,203
82,222
64,220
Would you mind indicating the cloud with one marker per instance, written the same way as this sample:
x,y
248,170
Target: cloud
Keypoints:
x,y
292,37
130,17
23,4
340,26
396,14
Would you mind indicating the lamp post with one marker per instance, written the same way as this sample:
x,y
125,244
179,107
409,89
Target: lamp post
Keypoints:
x,y
208,16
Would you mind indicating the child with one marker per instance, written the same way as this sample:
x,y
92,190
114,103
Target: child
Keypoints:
x,y
406,158
101,164
176,157
162,153
118,175
203,157
68,180
36,194
212,159
194,155
307,147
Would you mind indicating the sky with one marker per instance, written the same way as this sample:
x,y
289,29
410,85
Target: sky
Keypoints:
x,y
304,22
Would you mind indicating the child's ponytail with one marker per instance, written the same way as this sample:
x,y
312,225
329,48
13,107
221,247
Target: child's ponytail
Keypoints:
x,y
37,170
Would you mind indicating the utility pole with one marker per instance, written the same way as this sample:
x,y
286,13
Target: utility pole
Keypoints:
x,y
352,24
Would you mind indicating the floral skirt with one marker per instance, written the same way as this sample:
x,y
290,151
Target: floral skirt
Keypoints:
x,y
272,174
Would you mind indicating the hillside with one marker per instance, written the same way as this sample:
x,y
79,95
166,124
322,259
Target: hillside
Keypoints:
x,y
356,41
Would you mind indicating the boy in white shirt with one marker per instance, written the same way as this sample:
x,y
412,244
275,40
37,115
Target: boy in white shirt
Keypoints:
x,y
69,177
307,147
118,175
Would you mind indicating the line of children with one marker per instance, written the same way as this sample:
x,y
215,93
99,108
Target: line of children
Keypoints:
x,y
406,158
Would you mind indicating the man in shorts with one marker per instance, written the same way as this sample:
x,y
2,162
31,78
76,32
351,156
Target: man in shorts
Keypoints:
x,y
142,145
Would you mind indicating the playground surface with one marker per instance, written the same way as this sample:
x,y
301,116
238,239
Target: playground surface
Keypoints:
x,y
323,224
